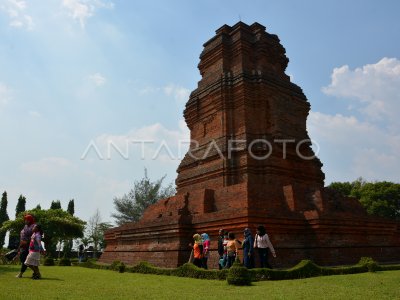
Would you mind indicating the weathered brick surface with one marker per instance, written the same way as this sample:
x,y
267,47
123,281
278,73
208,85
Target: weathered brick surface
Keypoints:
x,y
245,95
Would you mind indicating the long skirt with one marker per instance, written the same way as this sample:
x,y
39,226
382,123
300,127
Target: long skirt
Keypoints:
x,y
33,259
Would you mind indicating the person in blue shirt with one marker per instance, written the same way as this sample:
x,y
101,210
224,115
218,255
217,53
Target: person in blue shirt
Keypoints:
x,y
248,249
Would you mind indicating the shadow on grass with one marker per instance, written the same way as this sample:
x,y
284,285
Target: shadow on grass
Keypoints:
x,y
41,279
50,279
27,276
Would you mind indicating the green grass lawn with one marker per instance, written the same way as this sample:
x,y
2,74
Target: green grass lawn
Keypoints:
x,y
82,283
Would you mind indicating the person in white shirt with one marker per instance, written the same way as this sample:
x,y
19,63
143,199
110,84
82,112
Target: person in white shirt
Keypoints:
x,y
262,244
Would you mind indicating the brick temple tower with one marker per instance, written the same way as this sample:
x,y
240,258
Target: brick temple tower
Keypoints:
x,y
251,163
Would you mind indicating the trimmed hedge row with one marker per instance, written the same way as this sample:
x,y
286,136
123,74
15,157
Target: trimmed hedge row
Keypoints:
x,y
304,269
186,270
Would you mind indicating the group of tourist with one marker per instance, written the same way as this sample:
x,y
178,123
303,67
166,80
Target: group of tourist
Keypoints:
x,y
228,248
30,248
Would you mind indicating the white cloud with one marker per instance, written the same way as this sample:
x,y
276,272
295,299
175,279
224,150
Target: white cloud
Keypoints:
x,y
180,94
5,94
81,10
373,88
149,143
97,79
351,148
367,145
16,12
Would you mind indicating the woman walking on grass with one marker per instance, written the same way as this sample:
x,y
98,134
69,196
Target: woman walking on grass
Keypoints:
x,y
35,248
23,248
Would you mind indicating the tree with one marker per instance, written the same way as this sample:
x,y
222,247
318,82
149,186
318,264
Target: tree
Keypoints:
x,y
3,217
71,207
56,224
38,206
69,243
86,241
95,232
13,239
343,187
381,199
20,205
131,206
378,198
55,204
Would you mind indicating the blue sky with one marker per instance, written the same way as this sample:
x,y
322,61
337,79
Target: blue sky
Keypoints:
x,y
75,72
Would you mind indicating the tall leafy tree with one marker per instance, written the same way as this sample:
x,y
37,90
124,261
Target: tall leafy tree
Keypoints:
x,y
343,187
55,204
130,207
68,244
95,232
71,207
3,217
21,205
13,239
378,198
56,224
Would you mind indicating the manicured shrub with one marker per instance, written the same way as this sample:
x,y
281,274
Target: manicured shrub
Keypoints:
x,y
389,267
238,275
48,261
121,267
372,267
64,262
93,265
144,267
114,265
365,260
242,276
369,263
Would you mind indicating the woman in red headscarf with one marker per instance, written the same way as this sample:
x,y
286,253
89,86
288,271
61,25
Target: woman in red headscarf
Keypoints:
x,y
25,237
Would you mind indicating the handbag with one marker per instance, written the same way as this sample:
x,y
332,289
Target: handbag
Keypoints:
x,y
256,237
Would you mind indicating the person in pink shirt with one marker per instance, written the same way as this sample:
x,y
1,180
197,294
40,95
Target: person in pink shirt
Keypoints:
x,y
35,248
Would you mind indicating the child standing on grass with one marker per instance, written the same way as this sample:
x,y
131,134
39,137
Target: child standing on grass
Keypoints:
x,y
35,247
